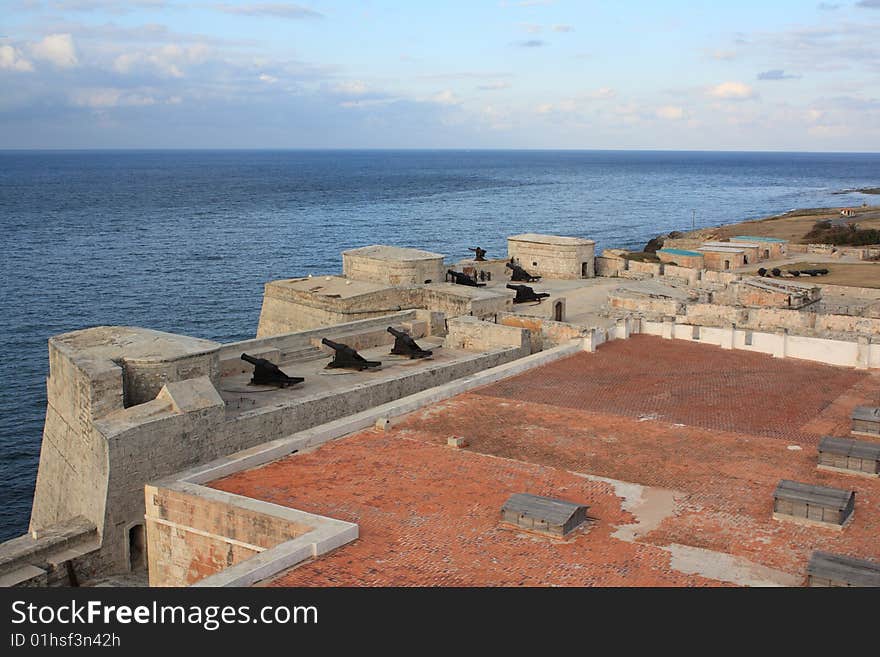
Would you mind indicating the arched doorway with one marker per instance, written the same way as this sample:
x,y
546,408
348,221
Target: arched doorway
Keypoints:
x,y
137,548
558,311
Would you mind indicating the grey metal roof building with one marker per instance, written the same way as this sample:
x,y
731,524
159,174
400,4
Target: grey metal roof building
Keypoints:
x,y
543,514
797,500
857,456
866,419
826,569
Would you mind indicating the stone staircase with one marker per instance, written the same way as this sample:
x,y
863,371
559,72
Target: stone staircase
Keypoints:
x,y
305,354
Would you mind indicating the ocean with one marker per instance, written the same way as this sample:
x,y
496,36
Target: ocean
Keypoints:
x,y
183,241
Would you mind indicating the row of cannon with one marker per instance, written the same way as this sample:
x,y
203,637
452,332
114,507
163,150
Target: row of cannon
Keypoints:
x,y
777,272
517,274
267,373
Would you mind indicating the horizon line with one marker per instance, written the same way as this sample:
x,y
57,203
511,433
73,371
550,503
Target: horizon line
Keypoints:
x,y
424,149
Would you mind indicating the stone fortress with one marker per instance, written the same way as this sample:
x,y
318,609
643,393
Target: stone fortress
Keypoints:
x,y
161,464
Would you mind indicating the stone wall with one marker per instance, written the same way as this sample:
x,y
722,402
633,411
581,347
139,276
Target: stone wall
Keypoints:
x,y
606,266
859,353
544,333
709,314
623,300
55,556
97,454
652,268
688,274
285,310
553,257
723,261
192,536
724,278
475,335
392,265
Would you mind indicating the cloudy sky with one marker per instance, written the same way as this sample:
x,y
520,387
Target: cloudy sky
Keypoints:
x,y
744,75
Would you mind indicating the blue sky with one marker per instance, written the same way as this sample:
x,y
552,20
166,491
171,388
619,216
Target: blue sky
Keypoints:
x,y
745,75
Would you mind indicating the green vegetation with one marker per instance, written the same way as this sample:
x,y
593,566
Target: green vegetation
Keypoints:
x,y
824,232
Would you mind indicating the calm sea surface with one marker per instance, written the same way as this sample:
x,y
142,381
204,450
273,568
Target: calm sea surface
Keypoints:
x,y
183,241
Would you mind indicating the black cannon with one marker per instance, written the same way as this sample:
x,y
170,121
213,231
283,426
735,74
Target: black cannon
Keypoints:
x,y
267,373
815,272
460,278
404,345
520,274
794,272
347,358
524,294
776,271
762,271
480,254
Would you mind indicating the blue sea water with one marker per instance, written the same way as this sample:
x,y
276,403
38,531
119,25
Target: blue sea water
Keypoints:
x,y
183,241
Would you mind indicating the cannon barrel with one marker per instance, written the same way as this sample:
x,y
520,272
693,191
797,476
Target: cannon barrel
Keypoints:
x,y
346,357
513,287
404,345
268,373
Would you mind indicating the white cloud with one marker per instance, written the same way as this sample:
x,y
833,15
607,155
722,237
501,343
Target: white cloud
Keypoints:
x,y
352,88
109,97
12,60
602,93
168,61
493,86
732,91
275,9
446,97
368,102
568,105
111,6
670,113
562,28
723,55
268,79
58,49
496,119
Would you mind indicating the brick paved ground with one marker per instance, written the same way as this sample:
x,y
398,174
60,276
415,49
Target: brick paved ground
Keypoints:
x,y
677,381
428,514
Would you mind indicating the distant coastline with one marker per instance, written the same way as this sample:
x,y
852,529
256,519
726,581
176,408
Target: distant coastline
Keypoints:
x,y
861,190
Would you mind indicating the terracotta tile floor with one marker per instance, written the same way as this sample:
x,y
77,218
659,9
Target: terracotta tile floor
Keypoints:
x,y
428,514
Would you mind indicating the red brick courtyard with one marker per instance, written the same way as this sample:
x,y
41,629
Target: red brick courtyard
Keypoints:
x,y
714,431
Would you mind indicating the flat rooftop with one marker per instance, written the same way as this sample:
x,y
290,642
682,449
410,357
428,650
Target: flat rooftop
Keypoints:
x,y
755,238
676,447
556,240
720,249
336,287
242,398
736,245
683,252
399,253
